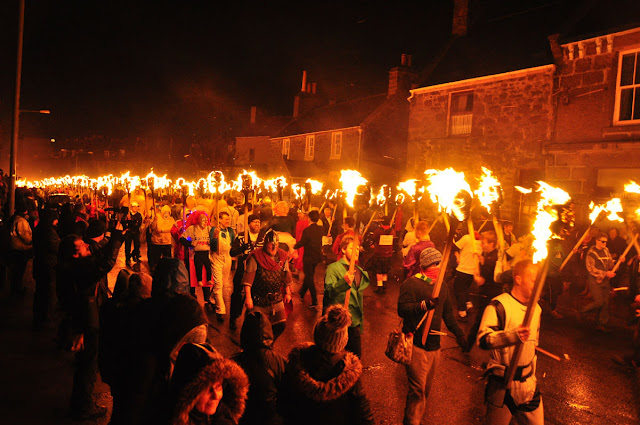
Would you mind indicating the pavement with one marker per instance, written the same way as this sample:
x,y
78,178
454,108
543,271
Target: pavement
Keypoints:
x,y
586,388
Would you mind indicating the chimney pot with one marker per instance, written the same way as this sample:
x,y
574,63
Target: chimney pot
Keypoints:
x,y
304,81
409,61
403,60
254,112
314,87
308,88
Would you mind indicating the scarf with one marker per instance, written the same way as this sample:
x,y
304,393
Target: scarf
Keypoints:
x,y
267,262
432,274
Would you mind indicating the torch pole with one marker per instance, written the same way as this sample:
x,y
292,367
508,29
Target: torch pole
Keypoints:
x,y
366,228
438,285
352,263
626,251
393,217
484,223
333,220
437,219
566,260
528,317
472,234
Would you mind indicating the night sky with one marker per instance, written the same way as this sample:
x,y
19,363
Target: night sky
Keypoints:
x,y
156,68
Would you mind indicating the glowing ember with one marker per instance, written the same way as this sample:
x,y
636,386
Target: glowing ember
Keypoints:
x,y
489,189
351,180
632,187
613,207
545,216
444,187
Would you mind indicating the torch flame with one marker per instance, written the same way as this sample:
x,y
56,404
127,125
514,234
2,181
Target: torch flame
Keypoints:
x,y
316,186
410,187
523,190
351,180
613,207
444,188
489,189
632,187
546,215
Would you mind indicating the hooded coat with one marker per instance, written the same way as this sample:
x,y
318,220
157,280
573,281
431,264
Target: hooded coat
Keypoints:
x,y
264,367
323,388
198,368
160,324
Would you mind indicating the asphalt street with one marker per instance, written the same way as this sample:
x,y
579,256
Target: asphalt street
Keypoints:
x,y
586,388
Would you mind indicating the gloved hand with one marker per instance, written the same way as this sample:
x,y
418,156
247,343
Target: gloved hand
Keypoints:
x,y
429,304
246,248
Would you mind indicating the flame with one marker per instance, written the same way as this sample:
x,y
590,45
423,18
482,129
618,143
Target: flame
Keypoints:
x,y
545,216
523,190
489,189
400,199
381,198
298,190
613,207
272,184
410,187
444,188
212,182
632,187
316,186
351,180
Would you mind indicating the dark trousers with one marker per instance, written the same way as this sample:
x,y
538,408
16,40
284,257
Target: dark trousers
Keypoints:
x,y
308,284
237,298
156,252
17,266
554,290
354,345
461,284
128,239
84,378
43,301
483,302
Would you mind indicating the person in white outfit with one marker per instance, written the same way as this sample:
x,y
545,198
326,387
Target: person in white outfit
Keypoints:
x,y
221,238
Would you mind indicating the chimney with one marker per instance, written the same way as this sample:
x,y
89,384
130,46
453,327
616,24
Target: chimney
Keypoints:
x,y
556,50
401,78
304,81
460,23
254,112
314,86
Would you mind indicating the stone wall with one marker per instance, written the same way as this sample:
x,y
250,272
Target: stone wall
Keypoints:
x,y
512,119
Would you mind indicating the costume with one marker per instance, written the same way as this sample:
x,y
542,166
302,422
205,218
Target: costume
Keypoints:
x,y
598,263
498,333
424,358
132,236
335,290
487,291
160,237
268,276
198,238
221,264
242,251
464,272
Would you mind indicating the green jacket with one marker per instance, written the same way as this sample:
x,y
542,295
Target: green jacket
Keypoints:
x,y
335,290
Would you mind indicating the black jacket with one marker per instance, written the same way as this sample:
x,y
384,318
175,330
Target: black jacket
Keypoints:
x,y
323,388
311,241
45,247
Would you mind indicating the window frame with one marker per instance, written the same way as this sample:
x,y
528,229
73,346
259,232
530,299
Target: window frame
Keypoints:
x,y
616,109
310,147
286,148
450,116
336,153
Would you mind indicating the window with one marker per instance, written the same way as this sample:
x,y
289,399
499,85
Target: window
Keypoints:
x,y
460,113
310,148
252,155
286,147
336,145
628,90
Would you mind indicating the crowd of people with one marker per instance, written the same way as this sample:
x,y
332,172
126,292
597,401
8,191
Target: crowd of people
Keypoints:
x,y
147,337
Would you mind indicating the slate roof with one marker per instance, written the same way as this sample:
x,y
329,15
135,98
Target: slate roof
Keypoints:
x,y
264,126
340,115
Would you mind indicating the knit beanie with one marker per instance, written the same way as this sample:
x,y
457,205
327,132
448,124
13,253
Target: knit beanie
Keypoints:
x,y
330,332
429,257
253,217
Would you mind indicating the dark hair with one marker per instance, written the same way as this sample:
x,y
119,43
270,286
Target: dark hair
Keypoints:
x,y
602,235
222,214
350,221
489,236
345,242
67,247
314,215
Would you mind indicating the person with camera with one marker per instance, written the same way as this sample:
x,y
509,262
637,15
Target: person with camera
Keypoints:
x,y
132,223
79,272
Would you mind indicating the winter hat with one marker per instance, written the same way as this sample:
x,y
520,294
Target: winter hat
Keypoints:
x,y
253,217
256,332
330,332
134,204
165,209
429,257
96,228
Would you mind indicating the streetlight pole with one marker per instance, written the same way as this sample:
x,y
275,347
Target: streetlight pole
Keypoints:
x,y
16,114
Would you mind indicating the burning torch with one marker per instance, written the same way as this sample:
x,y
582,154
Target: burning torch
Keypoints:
x,y
247,190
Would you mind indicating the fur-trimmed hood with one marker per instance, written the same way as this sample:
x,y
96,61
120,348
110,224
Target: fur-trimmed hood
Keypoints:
x,y
316,390
235,387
